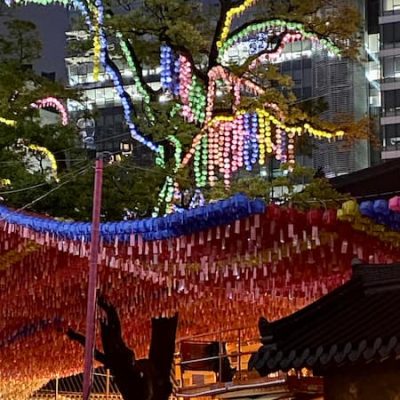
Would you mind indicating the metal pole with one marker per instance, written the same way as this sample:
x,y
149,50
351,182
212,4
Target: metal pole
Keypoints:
x,y
91,299
56,394
107,383
220,357
240,354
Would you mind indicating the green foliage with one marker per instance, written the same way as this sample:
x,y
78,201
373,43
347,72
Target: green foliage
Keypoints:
x,y
178,22
127,187
19,88
20,43
318,193
298,185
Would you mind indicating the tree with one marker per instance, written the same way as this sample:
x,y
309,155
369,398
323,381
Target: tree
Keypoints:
x,y
29,145
176,133
146,379
193,36
21,43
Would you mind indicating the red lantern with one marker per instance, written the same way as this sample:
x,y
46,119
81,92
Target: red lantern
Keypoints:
x,y
314,217
274,212
329,217
292,215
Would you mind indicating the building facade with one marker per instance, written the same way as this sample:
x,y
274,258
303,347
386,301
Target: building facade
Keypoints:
x,y
389,55
106,131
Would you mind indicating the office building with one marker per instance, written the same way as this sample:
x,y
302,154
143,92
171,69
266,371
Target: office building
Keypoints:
x,y
389,29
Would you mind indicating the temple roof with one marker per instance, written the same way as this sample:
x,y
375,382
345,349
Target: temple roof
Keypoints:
x,y
357,323
381,178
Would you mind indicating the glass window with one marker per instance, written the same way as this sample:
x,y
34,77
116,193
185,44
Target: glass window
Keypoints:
x,y
307,77
297,64
307,63
391,138
81,69
391,68
307,92
108,120
286,66
297,75
391,5
391,101
391,35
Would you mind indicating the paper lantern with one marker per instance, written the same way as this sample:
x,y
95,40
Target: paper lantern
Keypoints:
x,y
274,212
394,204
381,207
367,209
314,217
350,208
329,217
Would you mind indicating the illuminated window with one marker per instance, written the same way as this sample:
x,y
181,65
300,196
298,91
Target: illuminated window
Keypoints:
x,y
391,5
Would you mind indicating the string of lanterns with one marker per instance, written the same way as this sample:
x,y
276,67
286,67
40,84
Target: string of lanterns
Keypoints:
x,y
47,154
95,25
289,31
52,102
46,102
197,105
244,139
383,212
138,84
220,259
177,76
230,15
8,122
170,69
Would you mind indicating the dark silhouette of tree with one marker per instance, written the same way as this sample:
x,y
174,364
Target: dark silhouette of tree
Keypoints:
x,y
146,379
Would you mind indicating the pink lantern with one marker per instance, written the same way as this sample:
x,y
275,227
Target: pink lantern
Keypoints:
x,y
394,204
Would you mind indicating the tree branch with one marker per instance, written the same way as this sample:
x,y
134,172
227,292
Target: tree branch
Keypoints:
x,y
139,71
249,61
138,65
225,5
79,338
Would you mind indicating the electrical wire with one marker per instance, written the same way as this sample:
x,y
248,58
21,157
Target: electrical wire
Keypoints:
x,y
24,189
34,186
51,191
56,159
31,203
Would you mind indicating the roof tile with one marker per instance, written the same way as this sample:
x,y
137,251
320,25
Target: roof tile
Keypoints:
x,y
356,323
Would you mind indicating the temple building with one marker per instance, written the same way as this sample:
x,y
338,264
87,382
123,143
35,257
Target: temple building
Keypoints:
x,y
350,337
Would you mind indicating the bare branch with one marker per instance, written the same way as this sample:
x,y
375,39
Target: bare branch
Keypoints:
x,y
225,6
79,338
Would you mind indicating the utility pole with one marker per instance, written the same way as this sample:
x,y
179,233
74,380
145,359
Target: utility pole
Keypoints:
x,y
92,281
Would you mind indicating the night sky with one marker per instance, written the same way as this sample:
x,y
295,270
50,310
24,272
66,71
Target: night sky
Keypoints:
x,y
52,23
